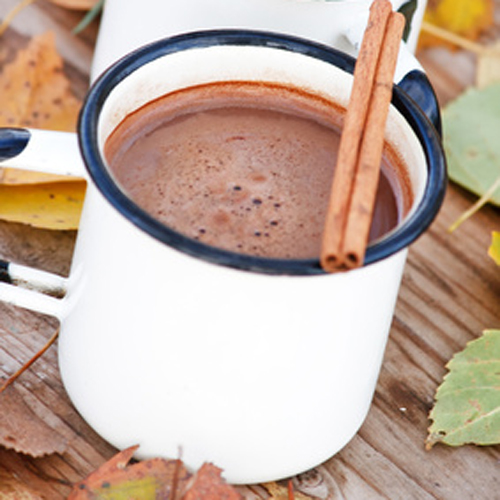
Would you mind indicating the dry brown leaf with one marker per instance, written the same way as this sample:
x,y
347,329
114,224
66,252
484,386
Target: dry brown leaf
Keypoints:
x,y
148,479
208,484
278,491
23,431
152,479
34,91
76,4
12,489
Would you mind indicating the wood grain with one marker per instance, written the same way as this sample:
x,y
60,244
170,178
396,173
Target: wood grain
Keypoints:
x,y
449,295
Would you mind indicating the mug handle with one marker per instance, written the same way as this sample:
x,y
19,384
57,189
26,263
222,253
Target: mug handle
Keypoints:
x,y
30,149
418,87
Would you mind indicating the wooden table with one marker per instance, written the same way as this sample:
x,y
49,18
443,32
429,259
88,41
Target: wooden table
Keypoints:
x,y
448,296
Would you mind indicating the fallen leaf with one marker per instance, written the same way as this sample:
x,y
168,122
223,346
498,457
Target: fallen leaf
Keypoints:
x,y
15,177
12,489
25,432
208,484
147,480
470,125
488,66
75,4
480,203
50,205
278,491
152,479
467,18
494,250
467,404
34,91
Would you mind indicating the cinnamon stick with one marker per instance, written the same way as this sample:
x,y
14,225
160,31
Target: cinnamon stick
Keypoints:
x,y
333,257
364,192
354,121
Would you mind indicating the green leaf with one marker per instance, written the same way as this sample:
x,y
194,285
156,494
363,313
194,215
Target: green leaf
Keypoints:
x,y
467,408
471,140
494,250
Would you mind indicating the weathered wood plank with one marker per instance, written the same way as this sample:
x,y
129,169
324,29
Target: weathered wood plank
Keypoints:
x,y
448,296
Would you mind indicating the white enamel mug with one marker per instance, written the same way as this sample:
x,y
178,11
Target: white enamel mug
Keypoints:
x,y
265,367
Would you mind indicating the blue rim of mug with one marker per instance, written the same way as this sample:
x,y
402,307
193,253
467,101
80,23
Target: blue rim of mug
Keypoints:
x,y
400,238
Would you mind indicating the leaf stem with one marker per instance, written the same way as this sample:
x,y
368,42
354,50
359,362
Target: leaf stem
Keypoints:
x,y
450,37
28,364
89,17
477,206
12,14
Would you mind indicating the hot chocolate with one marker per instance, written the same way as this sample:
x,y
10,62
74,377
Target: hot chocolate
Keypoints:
x,y
243,166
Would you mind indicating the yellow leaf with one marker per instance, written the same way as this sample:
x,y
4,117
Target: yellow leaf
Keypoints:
x,y
34,91
467,18
75,4
51,205
494,250
14,176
